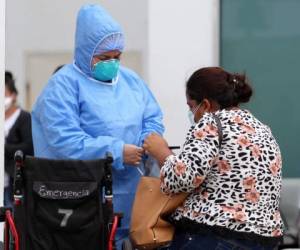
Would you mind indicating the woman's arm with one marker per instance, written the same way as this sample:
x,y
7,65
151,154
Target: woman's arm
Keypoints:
x,y
186,171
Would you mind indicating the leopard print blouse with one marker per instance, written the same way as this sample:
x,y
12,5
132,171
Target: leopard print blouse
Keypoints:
x,y
236,186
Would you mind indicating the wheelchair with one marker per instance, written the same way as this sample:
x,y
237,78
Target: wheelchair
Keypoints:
x,y
61,205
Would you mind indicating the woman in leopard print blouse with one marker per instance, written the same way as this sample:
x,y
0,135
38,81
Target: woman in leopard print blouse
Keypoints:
x,y
234,187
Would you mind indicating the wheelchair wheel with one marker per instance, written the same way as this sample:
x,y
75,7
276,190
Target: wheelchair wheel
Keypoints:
x,y
126,245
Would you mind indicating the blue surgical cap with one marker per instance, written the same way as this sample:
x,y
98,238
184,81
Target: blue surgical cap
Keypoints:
x,y
113,41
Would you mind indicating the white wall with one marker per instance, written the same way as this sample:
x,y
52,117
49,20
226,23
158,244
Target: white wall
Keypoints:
x,y
183,36
2,67
45,26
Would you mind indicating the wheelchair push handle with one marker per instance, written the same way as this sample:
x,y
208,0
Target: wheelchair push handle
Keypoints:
x,y
19,156
108,194
18,178
109,158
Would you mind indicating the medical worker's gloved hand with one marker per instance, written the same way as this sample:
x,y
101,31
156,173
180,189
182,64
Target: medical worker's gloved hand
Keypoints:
x,y
132,154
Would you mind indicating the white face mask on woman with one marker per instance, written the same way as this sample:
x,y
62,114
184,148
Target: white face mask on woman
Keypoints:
x,y
192,112
8,102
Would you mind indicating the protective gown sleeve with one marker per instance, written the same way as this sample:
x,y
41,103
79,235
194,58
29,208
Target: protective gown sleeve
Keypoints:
x,y
152,118
59,116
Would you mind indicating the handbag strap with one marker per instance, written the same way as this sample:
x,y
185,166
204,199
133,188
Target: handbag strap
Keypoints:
x,y
220,131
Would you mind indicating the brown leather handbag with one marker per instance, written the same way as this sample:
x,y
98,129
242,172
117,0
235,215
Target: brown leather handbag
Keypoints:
x,y
149,229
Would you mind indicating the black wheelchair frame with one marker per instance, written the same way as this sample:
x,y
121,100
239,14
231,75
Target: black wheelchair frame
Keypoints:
x,y
13,229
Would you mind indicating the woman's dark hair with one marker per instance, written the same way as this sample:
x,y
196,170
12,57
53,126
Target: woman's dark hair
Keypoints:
x,y
10,82
214,83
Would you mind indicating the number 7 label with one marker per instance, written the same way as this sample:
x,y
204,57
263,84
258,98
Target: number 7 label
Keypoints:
x,y
67,213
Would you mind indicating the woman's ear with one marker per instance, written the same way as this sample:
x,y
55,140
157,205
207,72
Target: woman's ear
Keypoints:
x,y
210,105
206,105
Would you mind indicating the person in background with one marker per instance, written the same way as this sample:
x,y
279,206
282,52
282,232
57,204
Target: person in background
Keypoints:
x,y
58,68
17,130
235,181
95,105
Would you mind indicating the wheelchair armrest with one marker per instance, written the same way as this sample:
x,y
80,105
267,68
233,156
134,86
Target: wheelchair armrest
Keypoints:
x,y
109,158
120,216
19,156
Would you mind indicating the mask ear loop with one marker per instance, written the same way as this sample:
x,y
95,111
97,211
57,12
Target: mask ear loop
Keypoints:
x,y
140,171
196,108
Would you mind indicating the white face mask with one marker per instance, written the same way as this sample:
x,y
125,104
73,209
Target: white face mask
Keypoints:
x,y
8,102
191,114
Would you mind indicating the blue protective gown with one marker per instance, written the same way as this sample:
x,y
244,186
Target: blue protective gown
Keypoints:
x,y
79,117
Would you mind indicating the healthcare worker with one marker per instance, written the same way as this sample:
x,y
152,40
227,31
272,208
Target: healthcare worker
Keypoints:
x,y
95,105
